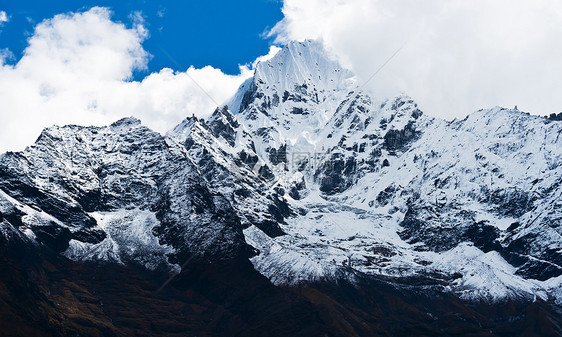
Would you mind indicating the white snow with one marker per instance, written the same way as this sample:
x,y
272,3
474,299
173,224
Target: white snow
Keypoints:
x,y
129,237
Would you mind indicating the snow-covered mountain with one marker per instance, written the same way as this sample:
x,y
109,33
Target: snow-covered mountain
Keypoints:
x,y
311,178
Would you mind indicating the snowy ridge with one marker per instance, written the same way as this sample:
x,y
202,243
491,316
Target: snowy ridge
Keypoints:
x,y
120,193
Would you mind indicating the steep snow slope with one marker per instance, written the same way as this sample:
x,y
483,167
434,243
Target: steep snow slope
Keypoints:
x,y
290,97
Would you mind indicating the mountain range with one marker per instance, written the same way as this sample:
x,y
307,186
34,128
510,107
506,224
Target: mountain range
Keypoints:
x,y
303,206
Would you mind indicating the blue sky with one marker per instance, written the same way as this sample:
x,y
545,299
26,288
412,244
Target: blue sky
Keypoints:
x,y
220,33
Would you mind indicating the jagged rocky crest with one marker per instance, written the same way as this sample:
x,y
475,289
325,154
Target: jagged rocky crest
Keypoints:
x,y
311,179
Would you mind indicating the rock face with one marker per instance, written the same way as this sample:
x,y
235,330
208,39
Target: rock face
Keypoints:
x,y
311,179
98,193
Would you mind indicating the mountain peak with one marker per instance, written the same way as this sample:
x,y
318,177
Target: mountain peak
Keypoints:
x,y
127,122
222,114
302,63
300,72
223,124
181,131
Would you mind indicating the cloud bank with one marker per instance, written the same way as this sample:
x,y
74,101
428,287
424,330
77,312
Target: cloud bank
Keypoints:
x,y
458,56
3,18
77,69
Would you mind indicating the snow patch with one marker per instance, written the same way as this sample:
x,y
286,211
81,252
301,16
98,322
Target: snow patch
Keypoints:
x,y
129,238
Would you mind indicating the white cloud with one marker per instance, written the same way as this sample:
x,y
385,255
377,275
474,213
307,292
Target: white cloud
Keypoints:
x,y
5,54
458,56
77,70
272,51
138,23
3,18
